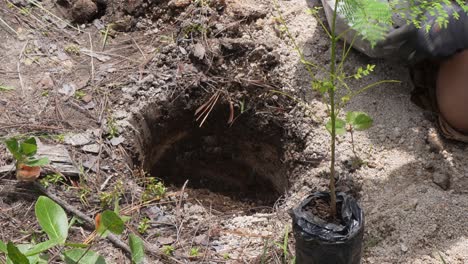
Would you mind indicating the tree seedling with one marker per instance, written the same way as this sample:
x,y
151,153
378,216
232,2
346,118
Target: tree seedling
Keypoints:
x,y
371,20
334,82
28,166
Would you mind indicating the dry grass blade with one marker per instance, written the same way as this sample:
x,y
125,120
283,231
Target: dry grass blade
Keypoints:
x,y
231,113
204,106
8,26
208,108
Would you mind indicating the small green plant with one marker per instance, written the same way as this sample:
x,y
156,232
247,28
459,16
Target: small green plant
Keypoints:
x,y
167,39
143,225
112,129
284,247
105,34
194,252
79,95
108,198
51,179
72,49
25,11
60,138
4,88
54,222
28,166
226,256
168,250
153,189
194,28
83,193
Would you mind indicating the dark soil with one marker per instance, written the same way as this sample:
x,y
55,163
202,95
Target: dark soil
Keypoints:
x,y
322,209
242,161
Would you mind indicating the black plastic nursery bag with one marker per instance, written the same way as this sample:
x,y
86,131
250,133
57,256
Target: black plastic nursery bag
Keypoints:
x,y
319,242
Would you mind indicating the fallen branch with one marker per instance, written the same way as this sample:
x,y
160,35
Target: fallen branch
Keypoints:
x,y
89,222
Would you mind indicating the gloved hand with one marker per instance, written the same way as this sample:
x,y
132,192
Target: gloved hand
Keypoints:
x,y
442,42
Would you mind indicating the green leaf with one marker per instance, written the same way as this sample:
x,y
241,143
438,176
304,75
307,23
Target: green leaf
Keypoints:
x,y
136,246
112,222
322,86
3,247
359,120
41,247
23,248
72,256
125,218
371,19
37,162
15,255
76,245
6,88
52,218
340,126
13,147
28,147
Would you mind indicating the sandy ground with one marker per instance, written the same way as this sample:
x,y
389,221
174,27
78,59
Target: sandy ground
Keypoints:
x,y
409,218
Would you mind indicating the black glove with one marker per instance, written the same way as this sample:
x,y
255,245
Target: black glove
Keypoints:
x,y
442,42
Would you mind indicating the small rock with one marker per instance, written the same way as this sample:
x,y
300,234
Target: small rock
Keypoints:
x,y
154,212
199,51
165,240
201,240
90,105
83,11
404,248
87,98
308,52
91,164
441,179
148,79
410,205
396,133
62,55
130,90
133,7
117,140
120,114
46,82
93,148
194,209
434,141
78,139
98,24
68,89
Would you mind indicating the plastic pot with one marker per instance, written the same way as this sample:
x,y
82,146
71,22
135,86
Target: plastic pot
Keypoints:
x,y
320,242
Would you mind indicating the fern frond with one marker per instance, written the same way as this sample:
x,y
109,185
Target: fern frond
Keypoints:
x,y
417,12
372,19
